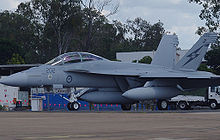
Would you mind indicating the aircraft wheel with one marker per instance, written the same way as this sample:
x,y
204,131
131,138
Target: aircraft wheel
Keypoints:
x,y
69,106
183,105
162,104
75,106
213,104
126,107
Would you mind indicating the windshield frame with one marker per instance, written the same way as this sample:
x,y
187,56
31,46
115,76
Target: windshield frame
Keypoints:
x,y
59,60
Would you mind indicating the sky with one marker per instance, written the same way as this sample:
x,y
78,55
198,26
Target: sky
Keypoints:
x,y
178,16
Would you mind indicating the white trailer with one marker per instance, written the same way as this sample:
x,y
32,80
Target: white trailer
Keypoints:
x,y
184,102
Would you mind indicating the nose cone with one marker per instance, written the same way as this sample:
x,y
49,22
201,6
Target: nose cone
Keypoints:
x,y
135,94
17,79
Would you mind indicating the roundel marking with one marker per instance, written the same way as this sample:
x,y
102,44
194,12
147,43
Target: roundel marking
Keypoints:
x,y
50,77
69,79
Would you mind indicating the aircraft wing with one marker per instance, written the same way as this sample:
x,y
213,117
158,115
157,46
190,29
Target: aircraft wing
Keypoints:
x,y
148,75
163,75
108,72
168,75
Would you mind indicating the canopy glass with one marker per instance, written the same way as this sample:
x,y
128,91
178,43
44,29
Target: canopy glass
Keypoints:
x,y
74,57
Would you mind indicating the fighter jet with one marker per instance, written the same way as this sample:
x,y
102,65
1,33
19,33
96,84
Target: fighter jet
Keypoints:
x,y
110,82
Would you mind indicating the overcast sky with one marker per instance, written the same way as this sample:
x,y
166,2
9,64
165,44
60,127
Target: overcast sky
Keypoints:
x,y
178,16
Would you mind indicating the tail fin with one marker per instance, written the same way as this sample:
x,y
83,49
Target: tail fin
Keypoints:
x,y
194,56
166,51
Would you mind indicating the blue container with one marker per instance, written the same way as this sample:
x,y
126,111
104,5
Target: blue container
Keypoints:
x,y
53,101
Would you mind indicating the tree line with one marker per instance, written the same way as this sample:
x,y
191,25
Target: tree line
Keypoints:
x,y
39,30
210,13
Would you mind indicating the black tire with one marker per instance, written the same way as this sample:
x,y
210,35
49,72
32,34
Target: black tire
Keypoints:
x,y
126,107
183,105
213,104
162,104
69,106
75,106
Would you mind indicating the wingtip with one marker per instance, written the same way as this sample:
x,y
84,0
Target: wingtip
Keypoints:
x,y
210,37
210,34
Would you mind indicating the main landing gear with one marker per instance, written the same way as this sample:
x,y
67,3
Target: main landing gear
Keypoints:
x,y
74,105
126,107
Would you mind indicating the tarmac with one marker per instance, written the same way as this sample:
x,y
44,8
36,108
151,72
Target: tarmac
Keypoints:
x,y
110,125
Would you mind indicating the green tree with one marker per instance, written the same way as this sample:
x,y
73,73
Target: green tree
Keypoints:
x,y
7,48
96,27
69,25
204,67
19,30
144,36
144,60
57,22
43,29
211,15
213,59
16,59
137,35
119,41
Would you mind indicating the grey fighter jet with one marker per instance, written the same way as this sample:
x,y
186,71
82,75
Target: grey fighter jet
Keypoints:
x,y
110,82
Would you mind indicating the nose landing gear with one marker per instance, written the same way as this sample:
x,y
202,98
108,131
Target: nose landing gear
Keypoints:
x,y
73,104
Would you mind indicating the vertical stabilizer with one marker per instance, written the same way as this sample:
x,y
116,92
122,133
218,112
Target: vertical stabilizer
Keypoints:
x,y
194,56
166,51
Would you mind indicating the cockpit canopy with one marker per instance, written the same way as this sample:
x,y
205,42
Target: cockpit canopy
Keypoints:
x,y
74,57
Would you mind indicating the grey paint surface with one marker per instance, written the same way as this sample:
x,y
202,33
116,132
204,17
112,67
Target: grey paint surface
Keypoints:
x,y
194,56
166,52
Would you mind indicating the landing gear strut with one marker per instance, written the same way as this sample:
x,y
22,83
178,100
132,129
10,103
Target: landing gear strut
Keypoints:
x,y
126,107
73,104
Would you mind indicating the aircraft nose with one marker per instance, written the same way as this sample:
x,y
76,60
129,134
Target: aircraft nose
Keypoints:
x,y
17,79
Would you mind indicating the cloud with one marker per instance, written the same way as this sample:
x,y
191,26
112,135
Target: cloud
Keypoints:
x,y
174,1
10,4
177,15
186,35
